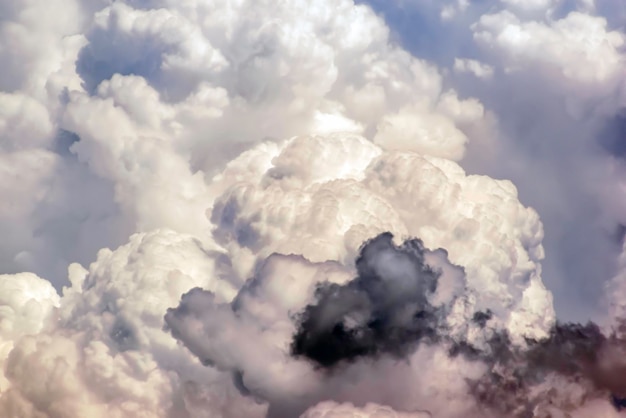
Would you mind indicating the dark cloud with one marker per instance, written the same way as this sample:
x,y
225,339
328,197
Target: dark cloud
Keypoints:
x,y
385,309
123,335
572,354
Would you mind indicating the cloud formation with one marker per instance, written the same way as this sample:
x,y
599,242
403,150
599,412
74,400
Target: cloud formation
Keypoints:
x,y
556,89
387,308
381,326
281,209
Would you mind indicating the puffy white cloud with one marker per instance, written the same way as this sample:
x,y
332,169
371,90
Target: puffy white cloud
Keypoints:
x,y
412,130
26,302
106,353
140,98
578,52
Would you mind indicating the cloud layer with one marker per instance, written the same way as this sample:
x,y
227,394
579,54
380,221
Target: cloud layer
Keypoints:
x,y
280,209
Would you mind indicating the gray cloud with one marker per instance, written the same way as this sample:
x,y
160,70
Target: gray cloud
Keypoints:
x,y
384,310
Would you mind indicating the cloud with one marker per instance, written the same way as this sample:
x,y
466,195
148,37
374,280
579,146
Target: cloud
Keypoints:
x,y
251,338
477,68
555,101
27,302
193,184
523,43
329,409
393,303
392,324
105,354
582,85
171,85
404,193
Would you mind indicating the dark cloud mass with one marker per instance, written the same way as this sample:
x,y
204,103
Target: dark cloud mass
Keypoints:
x,y
521,378
385,309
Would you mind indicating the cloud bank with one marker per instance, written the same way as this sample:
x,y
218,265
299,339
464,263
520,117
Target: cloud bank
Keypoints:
x,y
261,209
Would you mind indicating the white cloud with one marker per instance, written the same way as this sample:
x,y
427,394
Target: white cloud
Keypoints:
x,y
577,50
169,91
26,302
477,219
106,353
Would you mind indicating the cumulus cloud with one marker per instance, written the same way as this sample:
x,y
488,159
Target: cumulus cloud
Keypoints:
x,y
170,84
105,353
245,209
27,302
111,316
523,43
383,327
583,83
555,95
252,337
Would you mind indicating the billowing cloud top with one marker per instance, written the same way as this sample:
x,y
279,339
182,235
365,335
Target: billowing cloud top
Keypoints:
x,y
280,209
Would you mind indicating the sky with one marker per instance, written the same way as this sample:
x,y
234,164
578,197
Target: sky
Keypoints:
x,y
251,208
